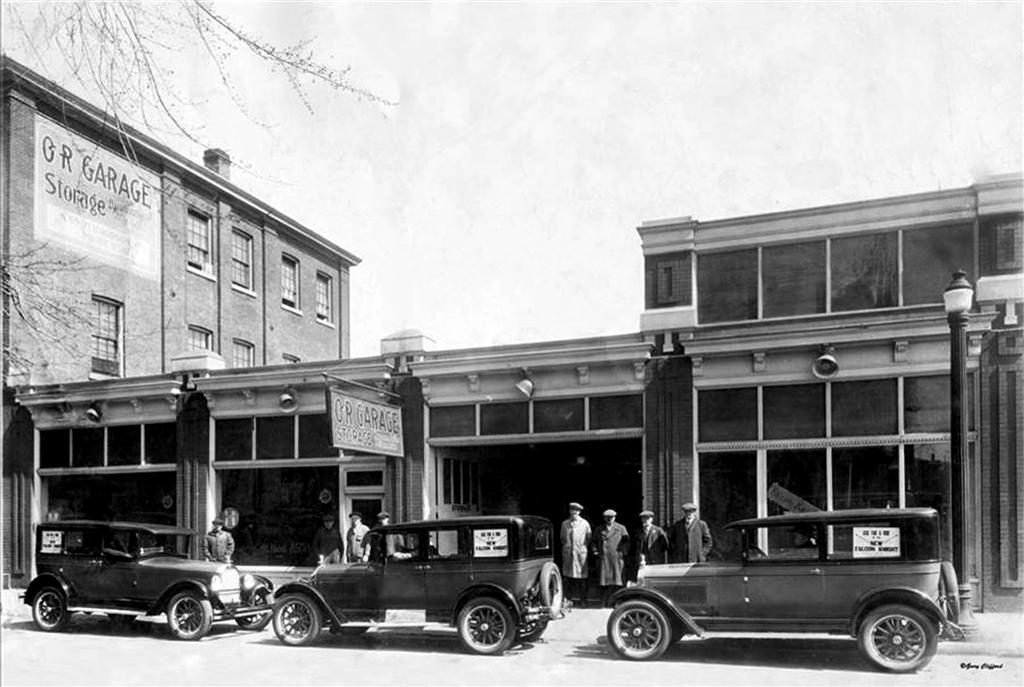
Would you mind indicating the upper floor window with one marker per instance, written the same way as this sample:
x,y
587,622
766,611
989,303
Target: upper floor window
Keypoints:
x,y
243,354
793,279
199,241
930,256
1001,245
241,259
324,309
106,336
727,286
864,272
200,339
289,281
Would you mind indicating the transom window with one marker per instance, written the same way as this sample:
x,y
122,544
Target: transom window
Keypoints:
x,y
199,242
200,339
289,281
243,354
241,259
324,309
106,336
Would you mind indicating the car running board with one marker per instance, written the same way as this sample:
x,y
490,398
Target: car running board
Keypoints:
x,y
105,611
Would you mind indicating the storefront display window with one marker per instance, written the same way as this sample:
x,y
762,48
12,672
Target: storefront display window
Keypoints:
x,y
139,497
87,447
794,412
927,469
926,404
275,437
796,481
505,418
54,448
728,491
279,511
452,421
315,436
727,414
616,412
161,443
563,415
865,477
233,439
864,272
727,286
124,445
930,256
864,408
794,279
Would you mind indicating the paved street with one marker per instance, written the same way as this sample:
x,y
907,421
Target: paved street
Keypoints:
x,y
573,652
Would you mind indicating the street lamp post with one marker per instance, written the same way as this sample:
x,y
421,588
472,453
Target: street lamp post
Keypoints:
x,y
958,298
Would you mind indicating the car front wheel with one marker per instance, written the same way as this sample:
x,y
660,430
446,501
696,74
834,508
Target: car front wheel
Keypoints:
x,y
297,620
486,626
50,610
189,616
898,638
639,630
256,623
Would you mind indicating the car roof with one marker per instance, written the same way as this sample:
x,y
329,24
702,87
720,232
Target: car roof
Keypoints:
x,y
836,516
474,521
152,528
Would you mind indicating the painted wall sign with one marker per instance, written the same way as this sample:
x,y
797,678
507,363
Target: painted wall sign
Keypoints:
x,y
360,425
876,542
490,543
96,203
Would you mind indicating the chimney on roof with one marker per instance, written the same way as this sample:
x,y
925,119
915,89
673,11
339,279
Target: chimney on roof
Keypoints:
x,y
218,161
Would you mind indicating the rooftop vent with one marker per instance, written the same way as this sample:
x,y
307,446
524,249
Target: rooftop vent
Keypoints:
x,y
218,161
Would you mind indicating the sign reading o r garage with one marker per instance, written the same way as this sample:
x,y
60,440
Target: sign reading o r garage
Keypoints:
x,y
360,425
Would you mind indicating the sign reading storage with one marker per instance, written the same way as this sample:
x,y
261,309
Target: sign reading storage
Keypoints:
x,y
360,425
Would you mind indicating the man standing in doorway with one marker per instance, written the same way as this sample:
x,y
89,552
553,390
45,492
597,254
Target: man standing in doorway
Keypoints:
x,y
690,538
354,538
218,545
610,548
651,542
575,546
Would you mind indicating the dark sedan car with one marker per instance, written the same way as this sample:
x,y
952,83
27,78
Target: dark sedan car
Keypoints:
x,y
490,577
874,574
127,570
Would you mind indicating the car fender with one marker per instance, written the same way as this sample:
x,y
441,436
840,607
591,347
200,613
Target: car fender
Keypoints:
x,y
909,596
491,590
191,585
47,580
305,588
662,601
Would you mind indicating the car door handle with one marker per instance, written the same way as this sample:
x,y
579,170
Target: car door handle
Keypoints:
x,y
421,567
815,571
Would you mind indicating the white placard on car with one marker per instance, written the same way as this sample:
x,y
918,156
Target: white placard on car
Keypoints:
x,y
490,543
876,542
53,541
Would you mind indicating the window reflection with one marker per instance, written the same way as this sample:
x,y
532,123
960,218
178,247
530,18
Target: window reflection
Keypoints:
x,y
727,286
728,491
796,481
794,279
864,273
930,256
865,477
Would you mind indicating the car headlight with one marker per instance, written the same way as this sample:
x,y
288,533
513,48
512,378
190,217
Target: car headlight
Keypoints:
x,y
216,583
248,581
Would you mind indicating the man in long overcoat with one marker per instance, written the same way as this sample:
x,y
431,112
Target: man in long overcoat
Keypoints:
x,y
690,538
575,538
218,544
611,544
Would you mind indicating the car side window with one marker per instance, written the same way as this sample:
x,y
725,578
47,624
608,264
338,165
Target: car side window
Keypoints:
x,y
783,543
403,546
446,544
118,540
82,542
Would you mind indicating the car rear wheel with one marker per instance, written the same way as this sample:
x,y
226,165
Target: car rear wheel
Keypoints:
x,y
551,587
898,638
486,626
297,620
189,616
949,592
50,610
639,630
256,623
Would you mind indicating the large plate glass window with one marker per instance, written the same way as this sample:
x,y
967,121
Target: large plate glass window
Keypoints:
x,y
728,491
864,408
930,256
794,279
796,481
794,412
138,497
865,477
727,414
727,286
864,272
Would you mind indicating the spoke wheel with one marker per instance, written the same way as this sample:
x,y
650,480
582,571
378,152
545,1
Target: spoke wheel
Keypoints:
x,y
50,610
297,620
189,616
639,630
486,626
898,638
256,623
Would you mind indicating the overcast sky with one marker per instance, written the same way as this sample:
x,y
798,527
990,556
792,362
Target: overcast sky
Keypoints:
x,y
498,200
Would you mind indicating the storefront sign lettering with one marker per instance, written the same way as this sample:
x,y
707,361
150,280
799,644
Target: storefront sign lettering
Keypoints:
x,y
95,202
365,426
876,542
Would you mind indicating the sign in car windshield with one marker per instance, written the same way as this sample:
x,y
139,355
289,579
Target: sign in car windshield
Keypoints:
x,y
876,542
490,543
360,425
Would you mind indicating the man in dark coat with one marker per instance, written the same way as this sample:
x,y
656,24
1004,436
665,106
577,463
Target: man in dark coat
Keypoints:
x,y
611,544
651,542
327,542
218,544
690,538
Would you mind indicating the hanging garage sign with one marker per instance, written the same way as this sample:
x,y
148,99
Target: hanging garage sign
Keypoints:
x,y
360,425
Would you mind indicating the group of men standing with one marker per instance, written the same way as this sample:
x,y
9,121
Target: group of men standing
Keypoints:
x,y
611,547
329,546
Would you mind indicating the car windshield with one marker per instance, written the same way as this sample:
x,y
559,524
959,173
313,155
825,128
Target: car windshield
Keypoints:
x,y
163,544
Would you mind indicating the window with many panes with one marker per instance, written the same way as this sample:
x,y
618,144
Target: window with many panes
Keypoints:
x,y
199,241
289,281
243,354
106,336
324,302
200,339
241,259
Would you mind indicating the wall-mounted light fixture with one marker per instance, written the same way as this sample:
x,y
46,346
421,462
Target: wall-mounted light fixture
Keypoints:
x,y
94,413
289,400
825,366
525,385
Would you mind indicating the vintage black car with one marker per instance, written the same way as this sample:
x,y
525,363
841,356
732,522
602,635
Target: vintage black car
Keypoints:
x,y
874,574
128,570
490,577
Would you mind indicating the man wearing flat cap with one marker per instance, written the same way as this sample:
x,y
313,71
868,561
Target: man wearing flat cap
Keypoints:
x,y
355,537
611,544
651,542
575,537
690,537
218,544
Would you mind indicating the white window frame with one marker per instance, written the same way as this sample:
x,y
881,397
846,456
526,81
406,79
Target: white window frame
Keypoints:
x,y
294,291
243,241
324,298
203,331
118,340
194,219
